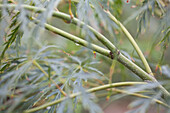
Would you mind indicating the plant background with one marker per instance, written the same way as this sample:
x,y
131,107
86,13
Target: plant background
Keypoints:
x,y
24,84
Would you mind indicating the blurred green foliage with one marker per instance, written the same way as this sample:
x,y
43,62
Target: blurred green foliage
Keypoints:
x,y
73,68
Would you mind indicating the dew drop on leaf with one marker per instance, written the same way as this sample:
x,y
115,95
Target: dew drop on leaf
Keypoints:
x,y
49,107
77,44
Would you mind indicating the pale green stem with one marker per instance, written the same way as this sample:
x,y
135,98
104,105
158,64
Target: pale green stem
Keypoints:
x,y
131,39
122,59
140,95
95,89
105,41
133,42
105,52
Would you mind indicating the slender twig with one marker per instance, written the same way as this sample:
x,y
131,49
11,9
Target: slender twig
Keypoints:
x,y
112,68
95,89
121,58
137,94
75,21
100,37
70,12
130,38
140,95
133,42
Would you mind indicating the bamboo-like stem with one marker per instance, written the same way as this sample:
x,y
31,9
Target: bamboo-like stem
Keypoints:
x,y
105,52
121,58
95,89
130,38
75,21
64,16
139,95
133,42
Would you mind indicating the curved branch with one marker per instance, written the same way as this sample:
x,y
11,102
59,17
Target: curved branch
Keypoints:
x,y
95,89
121,58
133,42
130,38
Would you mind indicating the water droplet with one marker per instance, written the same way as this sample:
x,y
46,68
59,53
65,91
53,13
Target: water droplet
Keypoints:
x,y
77,44
49,107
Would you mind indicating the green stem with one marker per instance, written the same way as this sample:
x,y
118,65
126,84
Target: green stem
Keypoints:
x,y
105,41
95,89
139,95
75,21
122,59
131,39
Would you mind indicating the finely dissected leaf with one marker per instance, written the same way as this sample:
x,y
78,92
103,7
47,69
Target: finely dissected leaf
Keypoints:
x,y
95,70
36,71
115,6
139,11
13,36
44,49
166,70
76,59
149,86
87,102
107,23
11,64
85,76
142,104
166,36
61,107
136,103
